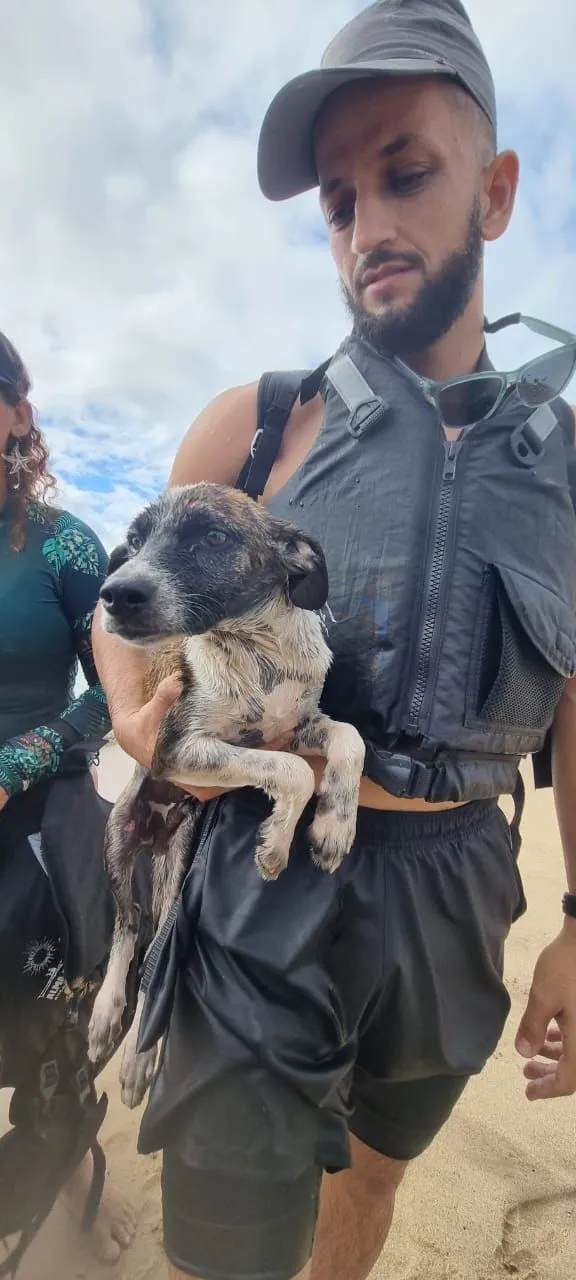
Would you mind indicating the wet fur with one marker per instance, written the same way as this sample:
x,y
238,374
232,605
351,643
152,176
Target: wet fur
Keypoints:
x,y
247,677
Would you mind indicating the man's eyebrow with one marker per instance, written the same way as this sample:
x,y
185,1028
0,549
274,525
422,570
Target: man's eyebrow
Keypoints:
x,y
389,149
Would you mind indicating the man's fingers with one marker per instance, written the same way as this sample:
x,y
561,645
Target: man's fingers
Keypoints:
x,y
566,1074
553,1051
548,1086
166,694
537,1070
553,1079
532,1032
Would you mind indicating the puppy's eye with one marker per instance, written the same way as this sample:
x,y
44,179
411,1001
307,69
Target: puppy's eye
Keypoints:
x,y
134,542
216,538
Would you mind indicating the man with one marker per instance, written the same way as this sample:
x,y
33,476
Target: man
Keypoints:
x,y
360,1004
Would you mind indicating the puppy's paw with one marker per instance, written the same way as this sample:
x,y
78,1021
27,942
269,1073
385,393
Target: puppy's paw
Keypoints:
x,y
105,1027
331,837
272,850
270,862
136,1074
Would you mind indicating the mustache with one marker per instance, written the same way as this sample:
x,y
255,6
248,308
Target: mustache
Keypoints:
x,y
382,258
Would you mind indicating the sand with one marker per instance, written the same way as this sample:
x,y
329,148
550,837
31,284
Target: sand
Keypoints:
x,y
494,1198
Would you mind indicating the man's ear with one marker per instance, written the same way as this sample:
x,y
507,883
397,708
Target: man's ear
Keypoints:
x,y
307,573
118,557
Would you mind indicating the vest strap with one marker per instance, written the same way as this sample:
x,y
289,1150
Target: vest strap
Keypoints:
x,y
528,440
364,407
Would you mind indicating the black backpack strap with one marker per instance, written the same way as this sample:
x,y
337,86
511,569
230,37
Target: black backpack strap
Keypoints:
x,y
277,395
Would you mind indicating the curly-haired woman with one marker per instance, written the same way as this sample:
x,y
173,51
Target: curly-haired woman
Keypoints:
x,y
51,569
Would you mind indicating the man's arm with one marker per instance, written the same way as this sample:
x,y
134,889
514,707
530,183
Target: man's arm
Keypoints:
x,y
214,449
547,1033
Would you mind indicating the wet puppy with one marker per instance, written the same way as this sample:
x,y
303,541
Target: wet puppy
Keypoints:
x,y
231,595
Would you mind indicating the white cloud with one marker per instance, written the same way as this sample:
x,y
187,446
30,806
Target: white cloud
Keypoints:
x,y
143,272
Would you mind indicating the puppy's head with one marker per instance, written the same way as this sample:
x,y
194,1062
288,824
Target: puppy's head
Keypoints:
x,y
202,555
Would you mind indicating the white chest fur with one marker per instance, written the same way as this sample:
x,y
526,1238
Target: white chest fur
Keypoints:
x,y
264,675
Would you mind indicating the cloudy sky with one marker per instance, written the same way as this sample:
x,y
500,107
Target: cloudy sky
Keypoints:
x,y
141,270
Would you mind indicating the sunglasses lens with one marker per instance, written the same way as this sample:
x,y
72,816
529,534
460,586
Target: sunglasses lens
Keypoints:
x,y
464,403
547,376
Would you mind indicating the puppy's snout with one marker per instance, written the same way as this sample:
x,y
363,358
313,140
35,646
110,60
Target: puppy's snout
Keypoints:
x,y
126,599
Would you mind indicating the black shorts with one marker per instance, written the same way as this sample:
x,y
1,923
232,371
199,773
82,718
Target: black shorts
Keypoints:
x,y
316,1006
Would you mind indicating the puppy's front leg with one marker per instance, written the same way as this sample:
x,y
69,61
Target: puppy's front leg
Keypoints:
x,y
334,827
198,761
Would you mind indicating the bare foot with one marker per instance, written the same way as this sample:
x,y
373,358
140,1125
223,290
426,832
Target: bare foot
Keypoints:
x,y
115,1224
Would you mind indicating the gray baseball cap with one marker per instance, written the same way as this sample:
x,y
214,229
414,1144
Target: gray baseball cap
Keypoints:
x,y
392,37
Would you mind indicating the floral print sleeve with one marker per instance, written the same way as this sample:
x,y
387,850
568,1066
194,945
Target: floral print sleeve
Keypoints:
x,y
78,564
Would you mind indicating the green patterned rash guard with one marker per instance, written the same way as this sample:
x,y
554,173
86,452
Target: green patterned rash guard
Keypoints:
x,y
48,594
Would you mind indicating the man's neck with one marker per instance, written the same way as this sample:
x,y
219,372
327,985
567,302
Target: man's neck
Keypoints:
x,y
457,353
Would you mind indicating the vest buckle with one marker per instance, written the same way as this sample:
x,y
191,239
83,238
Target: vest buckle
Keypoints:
x,y
528,440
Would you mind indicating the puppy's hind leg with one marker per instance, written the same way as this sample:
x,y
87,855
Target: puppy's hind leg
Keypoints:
x,y
124,839
333,829
137,1069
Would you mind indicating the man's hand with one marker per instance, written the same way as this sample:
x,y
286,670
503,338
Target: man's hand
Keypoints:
x,y
547,1032
136,732
4,798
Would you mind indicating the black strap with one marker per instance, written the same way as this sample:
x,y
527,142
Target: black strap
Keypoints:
x,y
95,1193
565,417
519,797
277,394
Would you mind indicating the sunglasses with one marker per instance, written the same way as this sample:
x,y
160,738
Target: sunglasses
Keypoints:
x,y
462,402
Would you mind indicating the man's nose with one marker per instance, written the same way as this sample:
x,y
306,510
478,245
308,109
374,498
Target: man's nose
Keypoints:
x,y
374,223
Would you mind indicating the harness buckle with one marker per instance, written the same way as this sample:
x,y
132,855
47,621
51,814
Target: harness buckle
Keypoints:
x,y
528,441
255,442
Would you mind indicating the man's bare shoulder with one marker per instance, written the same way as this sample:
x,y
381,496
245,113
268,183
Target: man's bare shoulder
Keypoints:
x,y
217,444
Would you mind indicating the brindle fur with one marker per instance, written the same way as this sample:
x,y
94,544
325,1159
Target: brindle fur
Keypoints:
x,y
242,629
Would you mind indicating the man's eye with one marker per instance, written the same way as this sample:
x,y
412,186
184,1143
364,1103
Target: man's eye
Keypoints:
x,y
340,216
134,542
216,537
408,180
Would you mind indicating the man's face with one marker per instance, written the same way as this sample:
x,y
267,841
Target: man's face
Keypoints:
x,y
401,172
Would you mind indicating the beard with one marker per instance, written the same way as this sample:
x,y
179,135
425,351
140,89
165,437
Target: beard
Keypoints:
x,y
441,301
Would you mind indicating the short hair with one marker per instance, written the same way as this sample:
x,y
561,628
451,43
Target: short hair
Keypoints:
x,y
483,129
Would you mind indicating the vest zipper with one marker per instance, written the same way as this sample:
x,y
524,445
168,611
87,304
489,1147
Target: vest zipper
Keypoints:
x,y
451,451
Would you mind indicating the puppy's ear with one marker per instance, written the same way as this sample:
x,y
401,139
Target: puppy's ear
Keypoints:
x,y
307,572
118,557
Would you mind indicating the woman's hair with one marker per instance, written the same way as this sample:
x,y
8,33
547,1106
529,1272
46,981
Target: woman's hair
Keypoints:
x,y
36,482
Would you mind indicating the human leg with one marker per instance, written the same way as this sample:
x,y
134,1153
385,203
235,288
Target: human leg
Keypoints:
x,y
451,883
356,1210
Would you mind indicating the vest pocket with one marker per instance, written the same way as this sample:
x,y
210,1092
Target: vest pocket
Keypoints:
x,y
524,651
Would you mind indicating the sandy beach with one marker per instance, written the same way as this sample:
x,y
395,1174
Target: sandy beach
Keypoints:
x,y
494,1198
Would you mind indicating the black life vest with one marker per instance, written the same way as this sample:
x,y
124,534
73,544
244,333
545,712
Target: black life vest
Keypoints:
x,y
452,567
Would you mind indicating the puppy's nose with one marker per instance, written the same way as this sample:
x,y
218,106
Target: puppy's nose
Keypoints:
x,y
121,598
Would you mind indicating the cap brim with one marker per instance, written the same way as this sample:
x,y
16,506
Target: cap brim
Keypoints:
x,y
286,163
